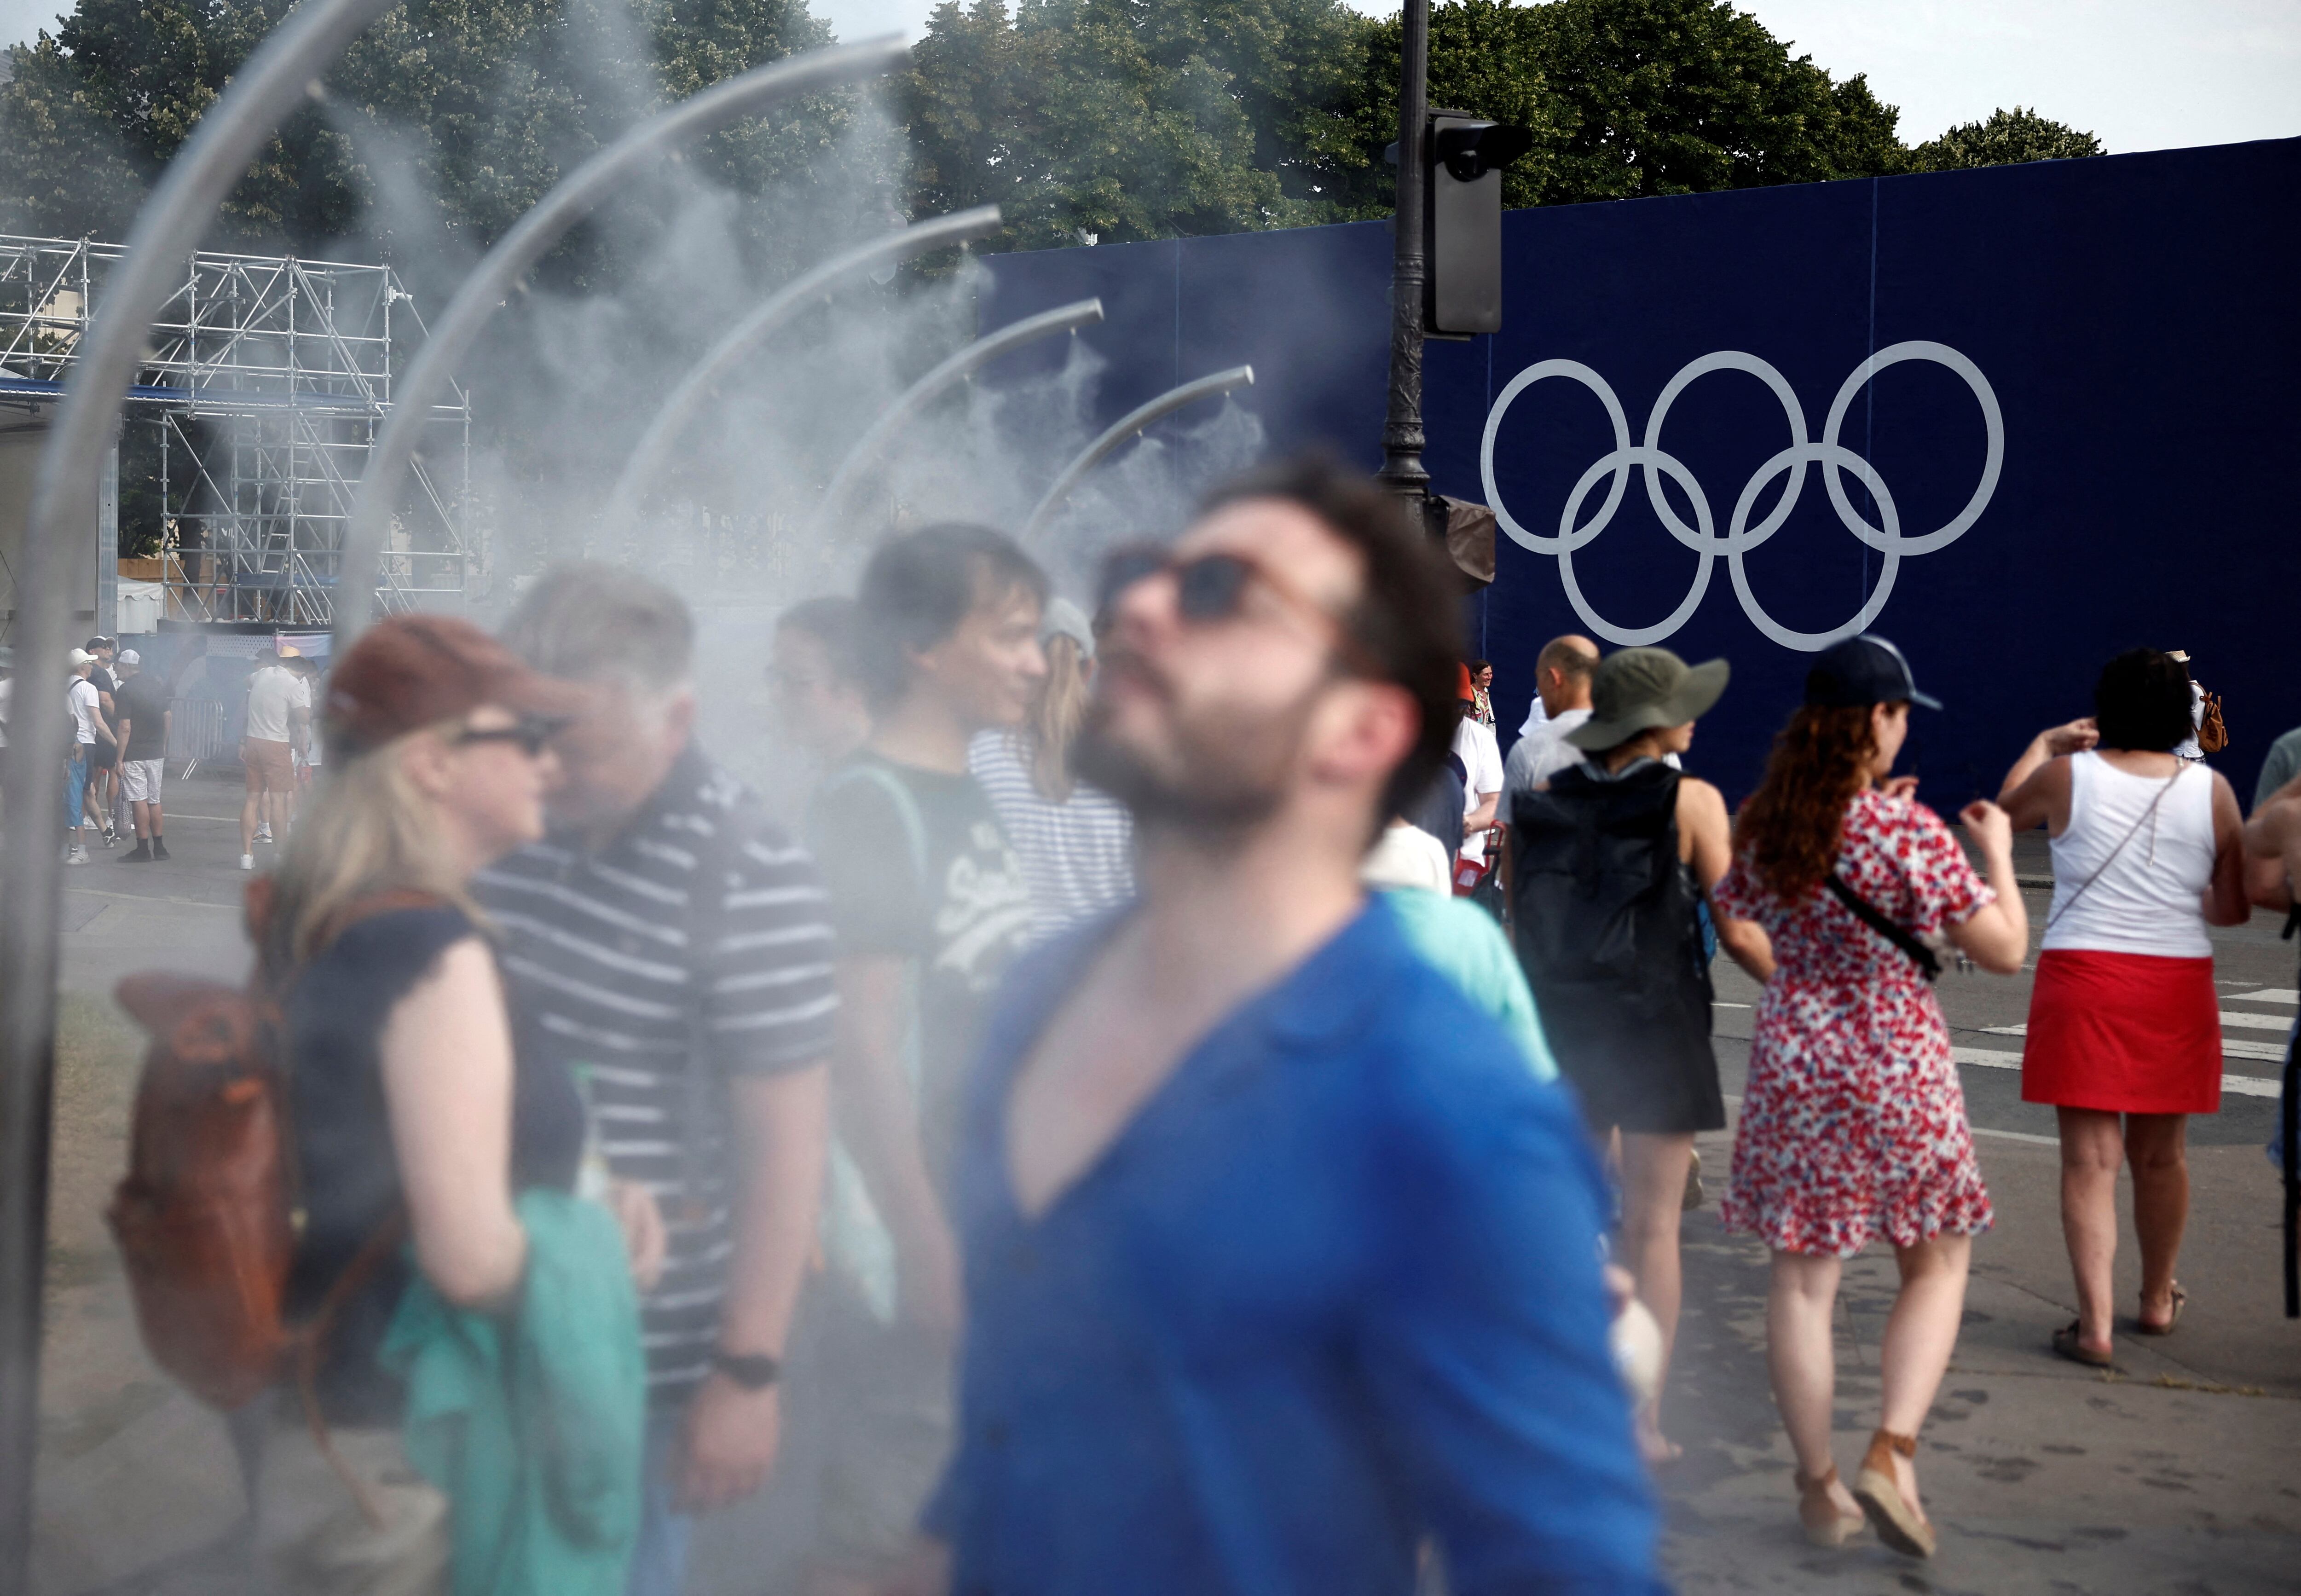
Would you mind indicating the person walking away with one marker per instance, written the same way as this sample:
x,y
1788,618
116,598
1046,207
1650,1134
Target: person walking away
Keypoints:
x,y
815,690
1563,671
930,905
2124,1035
102,775
1852,1124
278,709
1077,845
1280,1262
418,1113
145,723
1612,858
670,943
90,732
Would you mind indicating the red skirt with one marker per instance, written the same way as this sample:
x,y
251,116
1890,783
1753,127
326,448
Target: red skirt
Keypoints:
x,y
2123,1033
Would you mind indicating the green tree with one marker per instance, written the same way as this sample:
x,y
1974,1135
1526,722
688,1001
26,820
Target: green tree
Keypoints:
x,y
2007,138
486,102
1120,119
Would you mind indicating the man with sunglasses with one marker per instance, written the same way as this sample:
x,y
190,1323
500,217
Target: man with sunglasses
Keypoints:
x,y
1279,1261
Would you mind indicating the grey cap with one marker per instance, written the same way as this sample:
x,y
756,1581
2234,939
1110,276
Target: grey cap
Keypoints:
x,y
1637,690
1064,618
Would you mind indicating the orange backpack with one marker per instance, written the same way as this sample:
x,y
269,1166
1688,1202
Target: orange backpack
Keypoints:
x,y
207,1219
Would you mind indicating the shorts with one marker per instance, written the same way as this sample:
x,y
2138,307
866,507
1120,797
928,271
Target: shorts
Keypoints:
x,y
76,771
101,756
139,780
271,765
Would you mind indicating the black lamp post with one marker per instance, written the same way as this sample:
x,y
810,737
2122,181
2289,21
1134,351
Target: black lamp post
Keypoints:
x,y
1401,431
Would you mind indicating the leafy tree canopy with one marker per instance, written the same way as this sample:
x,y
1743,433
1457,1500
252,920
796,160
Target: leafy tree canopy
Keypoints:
x,y
481,104
2006,138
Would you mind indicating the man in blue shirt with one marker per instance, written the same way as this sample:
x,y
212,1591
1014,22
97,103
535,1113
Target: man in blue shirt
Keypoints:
x,y
1278,1262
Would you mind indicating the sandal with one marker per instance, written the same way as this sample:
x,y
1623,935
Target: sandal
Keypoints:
x,y
2066,1344
2180,1300
1826,1523
1897,1521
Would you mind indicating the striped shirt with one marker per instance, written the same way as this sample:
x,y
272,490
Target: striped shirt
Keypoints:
x,y
1078,857
595,946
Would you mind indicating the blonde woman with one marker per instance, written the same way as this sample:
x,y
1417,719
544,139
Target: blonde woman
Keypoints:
x,y
415,1113
1076,844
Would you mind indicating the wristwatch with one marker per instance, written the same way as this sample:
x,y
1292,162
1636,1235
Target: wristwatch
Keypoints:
x,y
753,1371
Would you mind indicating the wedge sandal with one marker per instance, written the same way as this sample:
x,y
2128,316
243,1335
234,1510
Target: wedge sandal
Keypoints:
x,y
1895,1519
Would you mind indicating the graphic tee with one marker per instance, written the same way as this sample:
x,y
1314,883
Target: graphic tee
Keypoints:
x,y
918,869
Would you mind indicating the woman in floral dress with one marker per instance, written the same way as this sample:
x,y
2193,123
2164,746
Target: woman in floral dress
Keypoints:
x,y
1852,1124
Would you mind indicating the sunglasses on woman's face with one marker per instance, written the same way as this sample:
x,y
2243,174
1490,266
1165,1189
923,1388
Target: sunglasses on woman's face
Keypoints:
x,y
1213,587
532,733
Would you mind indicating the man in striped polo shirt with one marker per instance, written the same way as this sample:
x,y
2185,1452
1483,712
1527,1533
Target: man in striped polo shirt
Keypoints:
x,y
673,946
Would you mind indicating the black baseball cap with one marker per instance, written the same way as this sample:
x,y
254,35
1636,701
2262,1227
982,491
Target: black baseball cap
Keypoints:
x,y
1860,671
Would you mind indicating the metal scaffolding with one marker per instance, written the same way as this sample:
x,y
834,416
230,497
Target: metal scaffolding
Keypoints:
x,y
268,378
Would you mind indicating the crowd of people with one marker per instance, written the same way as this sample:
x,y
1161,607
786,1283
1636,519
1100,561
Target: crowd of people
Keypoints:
x,y
1163,1104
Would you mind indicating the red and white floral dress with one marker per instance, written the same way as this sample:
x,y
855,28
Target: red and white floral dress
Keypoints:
x,y
1854,1123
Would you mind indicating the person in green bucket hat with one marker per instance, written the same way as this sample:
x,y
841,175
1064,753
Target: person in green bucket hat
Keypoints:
x,y
1613,863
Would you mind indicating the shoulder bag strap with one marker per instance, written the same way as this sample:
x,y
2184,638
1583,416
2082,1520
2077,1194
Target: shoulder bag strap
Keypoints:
x,y
2146,816
310,1341
1871,915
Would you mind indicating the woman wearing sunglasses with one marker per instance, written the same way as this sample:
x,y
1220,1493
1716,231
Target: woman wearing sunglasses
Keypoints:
x,y
418,1125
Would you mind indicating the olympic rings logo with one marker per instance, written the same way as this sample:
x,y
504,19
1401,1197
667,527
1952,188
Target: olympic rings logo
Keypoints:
x,y
1741,537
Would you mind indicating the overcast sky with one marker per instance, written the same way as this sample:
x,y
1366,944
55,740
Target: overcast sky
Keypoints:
x,y
2143,74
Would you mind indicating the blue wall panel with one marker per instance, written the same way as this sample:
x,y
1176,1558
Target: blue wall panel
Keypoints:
x,y
2133,319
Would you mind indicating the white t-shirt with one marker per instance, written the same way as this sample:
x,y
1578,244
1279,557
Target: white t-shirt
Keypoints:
x,y
1537,713
82,698
1408,856
271,693
1482,760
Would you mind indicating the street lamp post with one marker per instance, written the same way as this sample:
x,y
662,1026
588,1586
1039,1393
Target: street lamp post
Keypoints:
x,y
1401,430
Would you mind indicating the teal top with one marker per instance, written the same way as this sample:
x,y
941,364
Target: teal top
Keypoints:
x,y
533,1422
1462,942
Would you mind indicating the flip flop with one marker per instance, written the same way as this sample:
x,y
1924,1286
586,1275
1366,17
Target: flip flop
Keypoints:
x,y
2144,1327
2066,1344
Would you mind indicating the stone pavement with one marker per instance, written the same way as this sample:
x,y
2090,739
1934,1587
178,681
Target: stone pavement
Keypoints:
x,y
2174,1475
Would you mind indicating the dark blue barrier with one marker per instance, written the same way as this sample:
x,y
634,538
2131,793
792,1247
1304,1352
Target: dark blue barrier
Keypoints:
x,y
2131,320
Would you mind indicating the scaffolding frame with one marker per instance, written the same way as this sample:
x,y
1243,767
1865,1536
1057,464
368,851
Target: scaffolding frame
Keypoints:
x,y
268,377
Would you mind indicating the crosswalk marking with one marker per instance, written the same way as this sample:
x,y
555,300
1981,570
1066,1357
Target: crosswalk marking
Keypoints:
x,y
2267,994
2257,1021
2247,1086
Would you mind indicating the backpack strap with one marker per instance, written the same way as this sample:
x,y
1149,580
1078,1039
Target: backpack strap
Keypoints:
x,y
1928,962
898,796
311,1343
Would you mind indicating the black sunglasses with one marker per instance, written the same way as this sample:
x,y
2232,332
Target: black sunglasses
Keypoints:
x,y
532,733
1213,587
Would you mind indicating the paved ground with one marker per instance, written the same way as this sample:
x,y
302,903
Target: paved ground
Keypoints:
x,y
2174,1474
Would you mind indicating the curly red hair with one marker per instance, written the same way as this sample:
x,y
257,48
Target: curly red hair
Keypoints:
x,y
1788,832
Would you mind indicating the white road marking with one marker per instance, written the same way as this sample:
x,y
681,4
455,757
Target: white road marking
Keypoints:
x,y
1722,1002
2248,1086
2267,994
2257,1021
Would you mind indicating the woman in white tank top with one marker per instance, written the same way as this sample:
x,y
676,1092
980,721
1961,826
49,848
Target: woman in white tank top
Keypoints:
x,y
2124,1033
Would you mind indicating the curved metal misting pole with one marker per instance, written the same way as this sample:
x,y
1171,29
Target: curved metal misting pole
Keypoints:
x,y
988,347
502,267
273,82
1126,427
745,338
